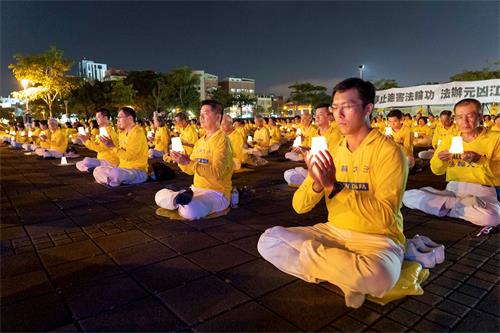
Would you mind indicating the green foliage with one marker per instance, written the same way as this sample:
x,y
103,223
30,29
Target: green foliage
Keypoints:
x,y
488,73
121,94
383,84
143,82
242,100
307,93
46,71
181,90
222,96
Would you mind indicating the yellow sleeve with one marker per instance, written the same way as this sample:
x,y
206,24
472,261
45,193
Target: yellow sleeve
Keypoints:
x,y
59,141
382,206
439,167
135,146
305,198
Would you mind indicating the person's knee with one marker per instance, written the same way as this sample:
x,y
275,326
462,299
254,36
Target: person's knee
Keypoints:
x,y
378,279
268,239
190,212
490,218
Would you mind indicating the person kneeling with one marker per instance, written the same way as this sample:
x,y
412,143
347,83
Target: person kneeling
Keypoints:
x,y
211,162
132,152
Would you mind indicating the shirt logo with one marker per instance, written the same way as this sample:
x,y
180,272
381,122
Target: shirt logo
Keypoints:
x,y
343,168
356,186
366,169
202,160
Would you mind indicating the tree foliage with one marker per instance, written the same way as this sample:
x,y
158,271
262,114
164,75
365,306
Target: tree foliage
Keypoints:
x,y
241,100
47,72
181,89
383,84
307,93
487,73
222,96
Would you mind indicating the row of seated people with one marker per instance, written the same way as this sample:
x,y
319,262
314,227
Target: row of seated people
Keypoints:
x,y
361,177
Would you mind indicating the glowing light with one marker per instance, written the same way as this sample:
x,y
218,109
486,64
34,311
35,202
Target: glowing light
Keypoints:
x,y
249,138
388,131
64,161
299,132
103,131
177,144
297,142
457,146
81,130
318,144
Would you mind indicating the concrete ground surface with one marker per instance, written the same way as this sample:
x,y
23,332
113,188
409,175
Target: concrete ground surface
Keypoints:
x,y
78,256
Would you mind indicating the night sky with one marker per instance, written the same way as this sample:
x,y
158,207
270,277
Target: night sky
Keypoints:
x,y
276,43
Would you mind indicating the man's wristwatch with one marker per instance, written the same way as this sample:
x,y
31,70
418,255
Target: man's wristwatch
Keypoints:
x,y
339,186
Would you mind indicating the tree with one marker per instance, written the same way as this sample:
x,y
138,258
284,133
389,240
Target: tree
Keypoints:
x,y
158,99
307,93
487,73
143,82
181,89
383,84
241,100
89,96
46,71
121,94
223,96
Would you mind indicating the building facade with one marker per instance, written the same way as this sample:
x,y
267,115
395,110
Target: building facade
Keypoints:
x,y
238,85
90,70
208,82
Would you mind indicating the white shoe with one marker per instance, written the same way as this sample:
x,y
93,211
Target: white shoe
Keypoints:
x,y
426,259
165,198
429,243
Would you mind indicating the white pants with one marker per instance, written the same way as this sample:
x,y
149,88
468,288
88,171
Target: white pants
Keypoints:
x,y
116,176
448,202
204,202
91,163
153,153
358,263
293,156
426,154
295,176
29,147
48,153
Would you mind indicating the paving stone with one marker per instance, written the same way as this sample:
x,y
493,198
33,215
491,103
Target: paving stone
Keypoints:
x,y
487,276
146,315
218,258
12,232
203,224
365,315
70,252
442,318
190,242
447,282
404,317
83,271
416,306
256,278
491,303
250,317
66,328
491,269
388,325
141,255
19,264
305,305
50,227
23,286
454,308
122,240
463,298
89,300
348,324
231,231
248,244
477,321
429,326
42,313
438,290
428,298
201,299
168,274
472,291
457,275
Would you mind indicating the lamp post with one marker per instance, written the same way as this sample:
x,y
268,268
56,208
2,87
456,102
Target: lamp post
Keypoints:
x,y
27,112
361,67
66,107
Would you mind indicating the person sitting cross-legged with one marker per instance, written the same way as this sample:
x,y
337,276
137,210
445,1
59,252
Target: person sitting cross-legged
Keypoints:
x,y
472,175
105,155
211,163
132,152
57,141
361,247
236,139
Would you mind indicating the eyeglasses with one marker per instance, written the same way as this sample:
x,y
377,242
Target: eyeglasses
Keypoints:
x,y
345,106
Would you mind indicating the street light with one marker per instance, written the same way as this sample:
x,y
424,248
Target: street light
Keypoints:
x,y
361,67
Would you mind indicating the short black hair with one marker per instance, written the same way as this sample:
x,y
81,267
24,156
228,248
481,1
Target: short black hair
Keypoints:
x,y
44,122
467,101
128,111
322,105
445,113
104,112
182,116
395,113
215,105
366,89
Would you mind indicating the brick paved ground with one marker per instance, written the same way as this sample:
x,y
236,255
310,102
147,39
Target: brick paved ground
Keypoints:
x,y
77,256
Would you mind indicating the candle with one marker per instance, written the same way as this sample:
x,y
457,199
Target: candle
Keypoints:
x,y
318,144
103,131
81,130
457,146
177,144
63,161
297,142
388,131
249,138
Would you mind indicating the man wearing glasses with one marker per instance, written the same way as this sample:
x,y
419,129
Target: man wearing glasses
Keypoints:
x,y
361,246
132,152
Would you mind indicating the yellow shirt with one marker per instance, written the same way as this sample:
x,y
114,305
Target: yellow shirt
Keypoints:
x,y
440,133
59,141
432,125
35,134
262,137
212,164
48,134
404,138
188,135
132,150
495,128
485,172
489,123
307,135
381,126
237,142
162,139
423,135
103,152
374,176
275,134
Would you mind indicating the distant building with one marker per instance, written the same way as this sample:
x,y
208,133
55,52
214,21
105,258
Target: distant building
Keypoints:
x,y
238,85
90,70
113,74
208,82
